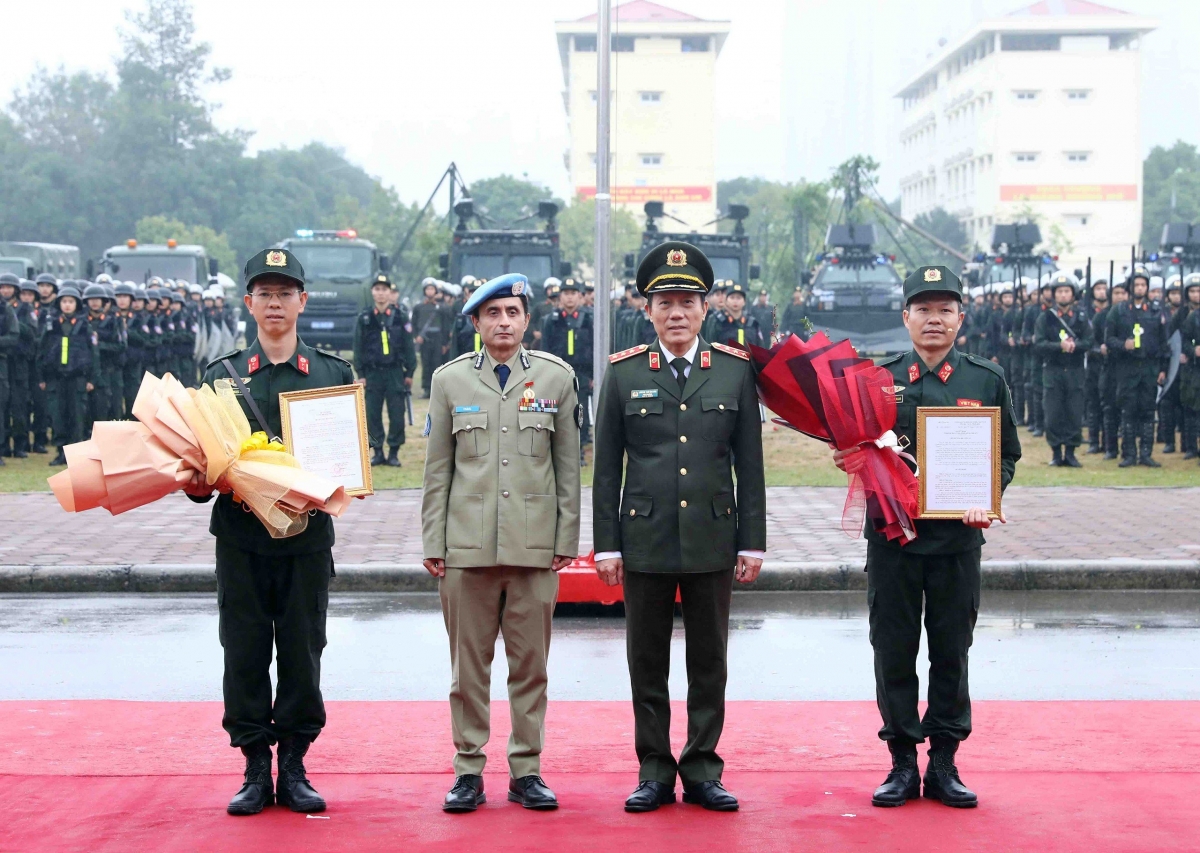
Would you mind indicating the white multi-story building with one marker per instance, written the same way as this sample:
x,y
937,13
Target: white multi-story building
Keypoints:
x,y
663,130
1034,114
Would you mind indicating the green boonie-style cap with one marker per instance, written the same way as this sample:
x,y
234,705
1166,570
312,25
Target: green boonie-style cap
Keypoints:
x,y
674,265
932,279
273,262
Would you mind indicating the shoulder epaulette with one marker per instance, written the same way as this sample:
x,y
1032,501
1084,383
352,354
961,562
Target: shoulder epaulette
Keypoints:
x,y
221,358
627,353
456,359
893,359
549,356
333,356
983,362
734,351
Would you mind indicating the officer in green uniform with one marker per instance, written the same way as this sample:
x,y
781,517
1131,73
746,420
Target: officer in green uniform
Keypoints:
x,y
386,360
795,316
1061,337
941,566
680,418
67,368
272,594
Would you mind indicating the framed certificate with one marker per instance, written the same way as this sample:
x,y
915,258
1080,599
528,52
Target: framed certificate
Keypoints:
x,y
958,460
326,430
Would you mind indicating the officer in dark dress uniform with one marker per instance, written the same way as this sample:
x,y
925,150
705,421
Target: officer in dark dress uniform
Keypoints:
x,y
567,333
67,368
1189,368
386,360
680,416
1093,387
22,368
10,339
1033,359
734,326
1136,342
940,568
1062,337
272,594
133,363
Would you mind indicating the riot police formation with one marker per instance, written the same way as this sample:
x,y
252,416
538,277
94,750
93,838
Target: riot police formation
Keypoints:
x,y
567,333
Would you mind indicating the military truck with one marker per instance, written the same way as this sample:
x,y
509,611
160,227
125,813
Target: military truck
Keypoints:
x,y
729,252
339,266
139,262
1015,255
1180,249
856,293
487,253
29,260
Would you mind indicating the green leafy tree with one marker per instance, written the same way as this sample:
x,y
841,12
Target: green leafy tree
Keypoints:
x,y
503,200
577,236
63,112
1171,188
160,229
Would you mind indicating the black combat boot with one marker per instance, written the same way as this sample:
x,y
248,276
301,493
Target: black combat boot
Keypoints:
x,y
38,447
904,782
294,789
1145,458
60,459
256,792
1094,440
1187,434
941,776
1069,459
1056,458
377,457
393,459
20,454
1128,445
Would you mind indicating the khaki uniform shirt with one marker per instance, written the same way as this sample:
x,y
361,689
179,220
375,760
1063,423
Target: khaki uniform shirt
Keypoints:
x,y
502,466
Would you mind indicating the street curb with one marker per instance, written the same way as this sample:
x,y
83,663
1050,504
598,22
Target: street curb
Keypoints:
x,y
1119,574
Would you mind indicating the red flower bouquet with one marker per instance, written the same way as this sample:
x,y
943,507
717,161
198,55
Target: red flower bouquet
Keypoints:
x,y
826,391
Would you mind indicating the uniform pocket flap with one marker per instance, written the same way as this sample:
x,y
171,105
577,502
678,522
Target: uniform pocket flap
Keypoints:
x,y
723,506
470,421
643,407
535,420
635,505
718,404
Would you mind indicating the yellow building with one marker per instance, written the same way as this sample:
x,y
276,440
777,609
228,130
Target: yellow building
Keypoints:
x,y
663,120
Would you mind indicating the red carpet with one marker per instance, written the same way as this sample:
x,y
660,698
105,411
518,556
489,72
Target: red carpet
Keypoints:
x,y
1061,776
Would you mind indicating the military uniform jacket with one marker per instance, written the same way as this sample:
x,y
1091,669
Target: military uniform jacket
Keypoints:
x,y
1145,326
22,359
568,335
10,337
431,322
110,338
465,338
793,319
67,349
502,466
383,339
764,315
1052,328
307,368
676,511
960,380
742,331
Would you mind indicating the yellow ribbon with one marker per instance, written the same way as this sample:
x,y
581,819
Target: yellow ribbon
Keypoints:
x,y
259,441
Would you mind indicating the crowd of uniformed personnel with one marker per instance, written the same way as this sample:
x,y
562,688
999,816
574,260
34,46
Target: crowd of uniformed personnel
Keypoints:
x,y
73,352
1096,359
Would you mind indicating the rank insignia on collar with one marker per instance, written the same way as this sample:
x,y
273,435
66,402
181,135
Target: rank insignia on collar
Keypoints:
x,y
525,362
914,373
276,259
479,361
706,360
655,361
302,364
944,372
252,363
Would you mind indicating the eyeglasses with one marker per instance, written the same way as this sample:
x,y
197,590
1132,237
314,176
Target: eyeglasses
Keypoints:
x,y
270,295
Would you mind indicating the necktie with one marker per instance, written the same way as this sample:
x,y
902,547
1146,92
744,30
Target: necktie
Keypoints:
x,y
680,364
502,371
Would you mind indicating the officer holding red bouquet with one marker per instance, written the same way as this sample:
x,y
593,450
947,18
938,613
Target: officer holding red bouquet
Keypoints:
x,y
938,571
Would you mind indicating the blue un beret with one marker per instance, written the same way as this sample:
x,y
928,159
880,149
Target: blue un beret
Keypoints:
x,y
513,284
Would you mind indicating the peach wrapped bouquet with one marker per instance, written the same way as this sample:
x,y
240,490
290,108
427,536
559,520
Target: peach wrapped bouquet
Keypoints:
x,y
184,434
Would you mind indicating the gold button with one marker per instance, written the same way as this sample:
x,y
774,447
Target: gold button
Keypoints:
x,y
643,411
503,429
503,461
683,504
721,406
633,512
683,438
505,494
683,471
683,407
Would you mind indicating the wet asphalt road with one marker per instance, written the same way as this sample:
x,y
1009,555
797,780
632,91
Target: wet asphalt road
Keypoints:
x,y
793,646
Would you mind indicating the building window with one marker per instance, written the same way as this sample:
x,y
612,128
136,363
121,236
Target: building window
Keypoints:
x,y
1025,156
1078,94
1025,94
585,44
651,161
622,44
1028,41
1078,156
1079,220
592,95
650,97
694,44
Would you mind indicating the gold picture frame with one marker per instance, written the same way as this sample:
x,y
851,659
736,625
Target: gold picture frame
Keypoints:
x,y
941,474
316,434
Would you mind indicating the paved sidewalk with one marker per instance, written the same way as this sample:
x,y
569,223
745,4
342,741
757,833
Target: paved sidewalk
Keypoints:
x,y
803,526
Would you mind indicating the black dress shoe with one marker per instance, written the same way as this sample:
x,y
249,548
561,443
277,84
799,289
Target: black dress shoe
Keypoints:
x,y
20,454
466,795
1168,448
40,448
1191,454
532,793
712,795
60,459
1093,449
377,458
941,776
904,782
256,792
1069,459
1148,462
294,789
393,460
649,795
1109,456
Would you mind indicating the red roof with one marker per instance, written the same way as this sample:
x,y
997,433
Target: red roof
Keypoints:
x,y
645,12
1059,8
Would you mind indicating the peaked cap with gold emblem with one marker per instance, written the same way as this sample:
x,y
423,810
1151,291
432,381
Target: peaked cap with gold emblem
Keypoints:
x,y
935,279
274,262
674,265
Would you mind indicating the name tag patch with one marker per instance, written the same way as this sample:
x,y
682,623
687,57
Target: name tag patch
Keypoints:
x,y
973,404
643,395
462,410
